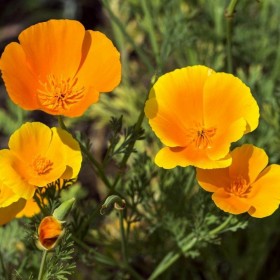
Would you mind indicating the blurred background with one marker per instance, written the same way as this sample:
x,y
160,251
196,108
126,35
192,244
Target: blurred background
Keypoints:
x,y
155,37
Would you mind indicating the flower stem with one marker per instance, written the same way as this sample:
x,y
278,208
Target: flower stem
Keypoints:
x,y
221,227
42,265
123,237
229,14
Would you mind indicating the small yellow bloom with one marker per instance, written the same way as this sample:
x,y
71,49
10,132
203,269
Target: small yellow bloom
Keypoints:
x,y
245,186
37,156
197,114
49,232
59,67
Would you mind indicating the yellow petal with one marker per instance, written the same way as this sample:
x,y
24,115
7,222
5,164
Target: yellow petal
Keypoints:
x,y
21,83
30,209
171,157
7,196
100,67
265,197
73,154
9,212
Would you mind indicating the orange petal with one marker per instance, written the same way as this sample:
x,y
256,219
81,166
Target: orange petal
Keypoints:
x,y
265,197
9,212
230,203
54,47
21,83
247,161
175,104
171,157
227,99
101,67
214,179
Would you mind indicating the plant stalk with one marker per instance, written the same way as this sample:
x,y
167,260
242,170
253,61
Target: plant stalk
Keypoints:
x,y
42,265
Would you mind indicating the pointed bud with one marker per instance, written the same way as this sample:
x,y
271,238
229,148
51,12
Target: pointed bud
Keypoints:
x,y
61,212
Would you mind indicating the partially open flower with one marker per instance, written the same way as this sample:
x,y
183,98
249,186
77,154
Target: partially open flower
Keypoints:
x,y
49,232
59,67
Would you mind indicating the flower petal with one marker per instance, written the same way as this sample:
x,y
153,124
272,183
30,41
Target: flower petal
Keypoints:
x,y
100,67
54,47
9,212
20,81
227,99
171,157
247,161
7,196
30,209
230,203
175,104
213,180
266,192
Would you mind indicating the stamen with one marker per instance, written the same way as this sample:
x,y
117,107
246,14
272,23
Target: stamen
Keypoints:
x,y
239,187
59,94
42,165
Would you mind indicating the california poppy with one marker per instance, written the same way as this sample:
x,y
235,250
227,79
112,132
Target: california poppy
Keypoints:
x,y
248,185
59,67
197,113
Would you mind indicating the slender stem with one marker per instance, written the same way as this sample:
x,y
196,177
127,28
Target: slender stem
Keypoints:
x,y
123,237
229,14
172,257
42,266
221,227
94,163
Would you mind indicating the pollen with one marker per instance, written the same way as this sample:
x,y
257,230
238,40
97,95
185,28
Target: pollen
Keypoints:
x,y
42,165
239,187
59,94
201,137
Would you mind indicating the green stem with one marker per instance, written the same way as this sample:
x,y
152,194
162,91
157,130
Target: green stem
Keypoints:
x,y
94,163
229,14
191,240
42,266
123,238
129,151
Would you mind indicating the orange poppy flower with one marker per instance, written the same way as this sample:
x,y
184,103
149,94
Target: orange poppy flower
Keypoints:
x,y
38,155
59,67
245,186
49,232
197,114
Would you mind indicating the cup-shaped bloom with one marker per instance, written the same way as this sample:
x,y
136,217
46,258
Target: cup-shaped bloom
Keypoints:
x,y
245,186
37,156
59,67
49,232
197,113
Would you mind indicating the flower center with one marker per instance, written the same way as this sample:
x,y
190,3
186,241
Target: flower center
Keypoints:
x,y
202,137
239,187
59,94
42,165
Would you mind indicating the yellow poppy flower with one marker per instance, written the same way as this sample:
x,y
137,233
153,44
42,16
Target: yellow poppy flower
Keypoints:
x,y
49,232
245,186
197,114
59,67
37,156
